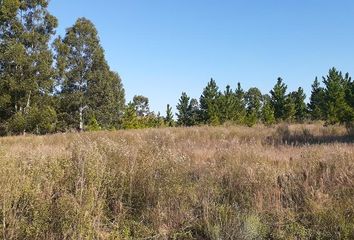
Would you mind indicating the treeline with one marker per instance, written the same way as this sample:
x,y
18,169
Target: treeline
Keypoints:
x,y
66,84
333,103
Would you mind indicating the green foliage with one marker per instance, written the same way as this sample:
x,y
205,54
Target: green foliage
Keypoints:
x,y
182,107
240,105
17,123
289,109
268,117
34,120
130,119
338,109
41,120
253,98
87,86
209,110
26,60
278,100
42,92
141,104
151,121
227,105
317,102
193,112
169,116
300,105
93,125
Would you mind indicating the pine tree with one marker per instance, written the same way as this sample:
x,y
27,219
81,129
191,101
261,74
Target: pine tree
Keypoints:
x,y
130,119
253,99
26,72
349,98
289,109
209,104
278,100
169,116
227,106
268,117
239,115
182,107
337,108
193,112
87,86
300,105
317,101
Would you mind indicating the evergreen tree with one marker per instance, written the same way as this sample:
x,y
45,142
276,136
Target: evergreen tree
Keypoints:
x,y
289,109
130,119
227,106
253,99
317,101
278,100
193,112
300,105
268,117
87,86
209,110
349,98
240,105
182,107
169,116
337,108
26,72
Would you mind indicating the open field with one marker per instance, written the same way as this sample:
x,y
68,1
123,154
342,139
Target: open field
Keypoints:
x,y
279,182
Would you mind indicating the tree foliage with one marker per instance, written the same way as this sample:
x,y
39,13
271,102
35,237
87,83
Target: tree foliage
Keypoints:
x,y
87,85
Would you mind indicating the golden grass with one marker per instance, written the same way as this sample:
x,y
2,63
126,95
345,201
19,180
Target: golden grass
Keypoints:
x,y
280,182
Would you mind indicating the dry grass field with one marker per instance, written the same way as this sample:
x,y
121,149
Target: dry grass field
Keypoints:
x,y
281,182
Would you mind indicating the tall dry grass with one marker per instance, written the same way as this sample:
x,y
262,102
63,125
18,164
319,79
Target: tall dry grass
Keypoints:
x,y
281,182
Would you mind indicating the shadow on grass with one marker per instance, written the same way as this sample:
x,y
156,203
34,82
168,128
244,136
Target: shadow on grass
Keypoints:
x,y
312,140
284,137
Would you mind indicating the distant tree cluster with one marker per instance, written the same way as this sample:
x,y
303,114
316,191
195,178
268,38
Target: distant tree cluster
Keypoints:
x,y
51,86
332,103
48,87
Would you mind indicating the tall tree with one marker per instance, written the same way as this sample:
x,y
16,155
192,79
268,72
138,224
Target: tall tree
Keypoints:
x,y
209,99
253,99
193,112
349,98
169,116
268,117
337,108
26,72
87,86
240,105
317,101
300,106
278,99
227,105
182,107
289,108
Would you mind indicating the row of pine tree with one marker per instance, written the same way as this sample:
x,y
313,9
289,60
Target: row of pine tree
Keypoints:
x,y
54,84
332,103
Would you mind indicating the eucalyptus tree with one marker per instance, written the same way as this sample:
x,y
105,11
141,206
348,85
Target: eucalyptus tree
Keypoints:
x,y
26,61
87,86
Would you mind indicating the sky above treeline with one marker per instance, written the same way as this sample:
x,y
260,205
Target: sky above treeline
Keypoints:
x,y
163,47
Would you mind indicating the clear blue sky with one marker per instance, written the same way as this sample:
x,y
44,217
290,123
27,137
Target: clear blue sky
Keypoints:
x,y
163,47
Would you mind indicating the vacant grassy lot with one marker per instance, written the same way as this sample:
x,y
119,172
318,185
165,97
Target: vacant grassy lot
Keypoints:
x,y
280,182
